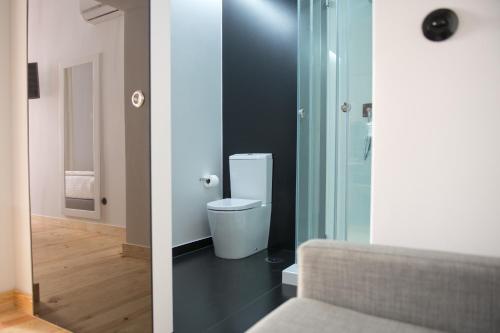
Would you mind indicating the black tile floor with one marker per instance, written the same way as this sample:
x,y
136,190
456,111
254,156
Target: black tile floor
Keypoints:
x,y
218,295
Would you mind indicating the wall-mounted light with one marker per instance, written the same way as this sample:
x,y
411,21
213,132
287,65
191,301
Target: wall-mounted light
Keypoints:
x,y
440,25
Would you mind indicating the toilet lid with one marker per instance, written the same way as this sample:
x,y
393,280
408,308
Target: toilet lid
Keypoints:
x,y
232,204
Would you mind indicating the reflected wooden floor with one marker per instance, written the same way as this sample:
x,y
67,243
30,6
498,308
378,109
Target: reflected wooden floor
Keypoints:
x,y
16,321
86,285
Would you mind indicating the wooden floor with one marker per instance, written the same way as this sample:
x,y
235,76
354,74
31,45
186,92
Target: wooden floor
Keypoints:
x,y
15,321
86,285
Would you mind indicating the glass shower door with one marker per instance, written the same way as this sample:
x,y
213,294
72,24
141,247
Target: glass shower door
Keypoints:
x,y
311,122
354,113
334,120
356,77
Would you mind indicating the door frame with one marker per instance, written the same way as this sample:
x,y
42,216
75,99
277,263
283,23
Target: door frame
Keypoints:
x,y
161,167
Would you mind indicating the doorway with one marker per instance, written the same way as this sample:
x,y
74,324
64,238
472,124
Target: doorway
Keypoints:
x,y
89,143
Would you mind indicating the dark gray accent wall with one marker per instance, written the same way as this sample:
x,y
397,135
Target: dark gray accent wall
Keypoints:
x,y
259,64
137,123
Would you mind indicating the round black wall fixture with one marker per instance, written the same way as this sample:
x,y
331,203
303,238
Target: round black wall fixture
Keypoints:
x,y
440,25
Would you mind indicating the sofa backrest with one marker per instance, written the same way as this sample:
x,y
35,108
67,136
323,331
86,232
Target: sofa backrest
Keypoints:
x,y
444,291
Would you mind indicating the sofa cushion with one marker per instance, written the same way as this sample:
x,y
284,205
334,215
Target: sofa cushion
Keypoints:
x,y
307,315
445,291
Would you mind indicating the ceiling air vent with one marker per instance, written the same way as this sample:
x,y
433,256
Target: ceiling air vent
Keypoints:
x,y
95,12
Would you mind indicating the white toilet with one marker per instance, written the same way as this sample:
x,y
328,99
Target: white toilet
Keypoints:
x,y
240,224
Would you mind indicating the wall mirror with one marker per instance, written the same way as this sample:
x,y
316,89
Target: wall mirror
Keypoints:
x,y
79,131
89,156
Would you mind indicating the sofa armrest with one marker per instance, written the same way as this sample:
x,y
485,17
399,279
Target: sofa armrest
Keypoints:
x,y
444,291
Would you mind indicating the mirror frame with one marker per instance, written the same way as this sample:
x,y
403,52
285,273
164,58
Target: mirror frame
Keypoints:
x,y
95,61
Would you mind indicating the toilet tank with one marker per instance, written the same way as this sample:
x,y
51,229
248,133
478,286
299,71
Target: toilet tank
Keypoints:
x,y
251,176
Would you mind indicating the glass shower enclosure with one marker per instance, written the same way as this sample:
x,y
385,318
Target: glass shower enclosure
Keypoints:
x,y
334,120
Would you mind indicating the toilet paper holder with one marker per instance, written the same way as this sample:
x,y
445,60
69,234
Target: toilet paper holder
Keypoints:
x,y
205,180
210,181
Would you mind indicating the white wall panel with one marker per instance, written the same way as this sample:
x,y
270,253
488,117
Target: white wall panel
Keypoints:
x,y
196,114
7,271
436,153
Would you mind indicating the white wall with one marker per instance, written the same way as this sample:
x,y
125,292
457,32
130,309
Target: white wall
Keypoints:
x,y
196,113
436,159
19,157
161,166
59,33
7,275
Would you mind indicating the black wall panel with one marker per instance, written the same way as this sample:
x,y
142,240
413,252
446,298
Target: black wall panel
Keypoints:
x,y
259,98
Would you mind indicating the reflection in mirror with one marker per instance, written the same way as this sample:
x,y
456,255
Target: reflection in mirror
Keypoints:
x,y
79,108
89,165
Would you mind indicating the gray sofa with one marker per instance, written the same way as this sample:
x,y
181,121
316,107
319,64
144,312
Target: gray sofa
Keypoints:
x,y
365,288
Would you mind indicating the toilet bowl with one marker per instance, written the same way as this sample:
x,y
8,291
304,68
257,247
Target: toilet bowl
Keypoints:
x,y
240,225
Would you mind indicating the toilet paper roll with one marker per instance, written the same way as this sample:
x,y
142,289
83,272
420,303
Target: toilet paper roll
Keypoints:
x,y
210,181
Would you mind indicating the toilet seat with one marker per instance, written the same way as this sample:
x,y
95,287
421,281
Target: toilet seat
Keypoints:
x,y
233,204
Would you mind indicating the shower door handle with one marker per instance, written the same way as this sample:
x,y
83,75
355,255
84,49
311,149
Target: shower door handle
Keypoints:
x,y
345,107
368,147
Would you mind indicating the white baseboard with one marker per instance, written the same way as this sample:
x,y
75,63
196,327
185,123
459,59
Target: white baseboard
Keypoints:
x,y
81,224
